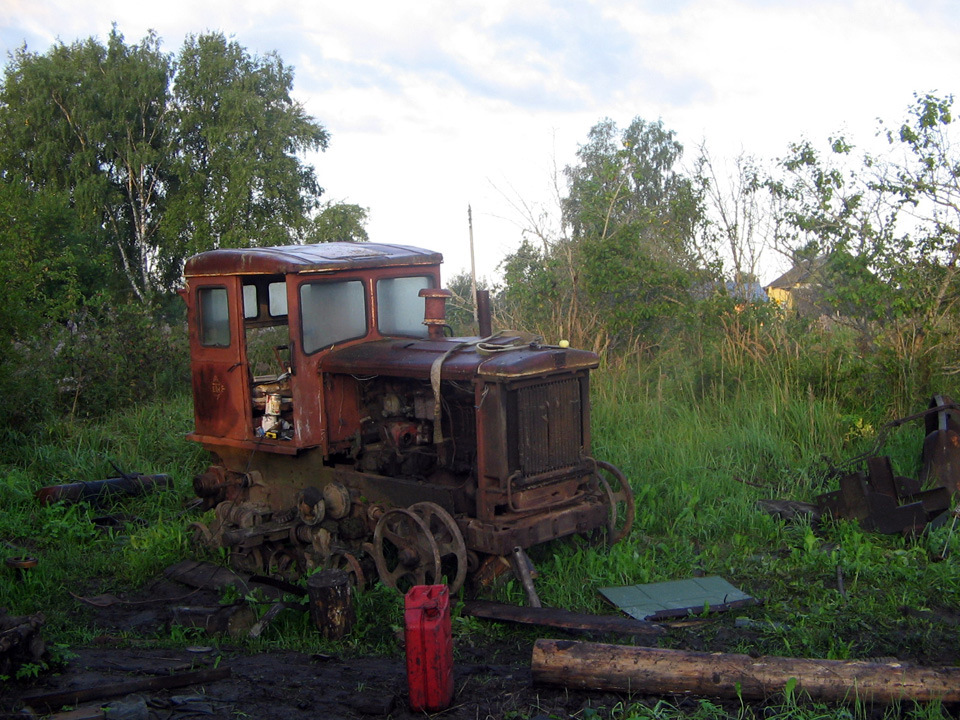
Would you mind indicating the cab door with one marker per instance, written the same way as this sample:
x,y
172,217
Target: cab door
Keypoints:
x,y
221,393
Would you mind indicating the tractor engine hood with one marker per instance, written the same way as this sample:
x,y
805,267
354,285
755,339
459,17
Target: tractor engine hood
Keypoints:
x,y
508,356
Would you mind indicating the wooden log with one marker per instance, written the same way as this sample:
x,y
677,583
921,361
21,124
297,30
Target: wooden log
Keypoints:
x,y
654,671
565,619
331,605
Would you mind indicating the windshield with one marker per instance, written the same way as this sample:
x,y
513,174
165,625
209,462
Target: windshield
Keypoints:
x,y
331,312
399,307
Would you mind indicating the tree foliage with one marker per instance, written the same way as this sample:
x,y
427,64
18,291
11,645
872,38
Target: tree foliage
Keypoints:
x,y
626,259
239,134
887,230
89,121
159,158
118,161
887,226
339,222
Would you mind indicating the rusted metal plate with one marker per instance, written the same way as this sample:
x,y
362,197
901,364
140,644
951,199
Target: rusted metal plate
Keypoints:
x,y
882,502
941,446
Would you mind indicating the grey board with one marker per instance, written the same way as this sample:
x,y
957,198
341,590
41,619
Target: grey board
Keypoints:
x,y
676,598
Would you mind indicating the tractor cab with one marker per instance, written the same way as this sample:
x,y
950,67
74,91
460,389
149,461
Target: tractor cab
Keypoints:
x,y
262,319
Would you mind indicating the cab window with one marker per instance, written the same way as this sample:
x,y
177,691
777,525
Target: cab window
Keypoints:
x,y
277,294
399,306
331,312
214,317
251,306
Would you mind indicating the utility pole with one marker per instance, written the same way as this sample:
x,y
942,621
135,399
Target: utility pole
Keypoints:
x,y
473,266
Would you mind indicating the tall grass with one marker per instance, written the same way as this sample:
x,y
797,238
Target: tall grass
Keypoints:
x,y
75,553
704,428
703,439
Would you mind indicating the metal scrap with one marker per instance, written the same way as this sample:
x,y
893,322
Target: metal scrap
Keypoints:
x,y
677,598
97,490
884,503
941,445
20,641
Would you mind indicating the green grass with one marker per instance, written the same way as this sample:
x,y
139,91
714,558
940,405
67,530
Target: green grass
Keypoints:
x,y
700,445
76,554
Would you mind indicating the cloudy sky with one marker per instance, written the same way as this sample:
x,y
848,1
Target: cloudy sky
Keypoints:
x,y
437,104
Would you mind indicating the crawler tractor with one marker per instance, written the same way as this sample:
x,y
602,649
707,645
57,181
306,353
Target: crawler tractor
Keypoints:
x,y
348,430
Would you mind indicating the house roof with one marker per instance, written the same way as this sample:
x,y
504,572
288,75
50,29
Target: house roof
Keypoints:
x,y
798,274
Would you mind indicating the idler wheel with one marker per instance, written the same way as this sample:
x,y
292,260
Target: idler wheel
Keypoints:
x,y
405,551
619,500
446,533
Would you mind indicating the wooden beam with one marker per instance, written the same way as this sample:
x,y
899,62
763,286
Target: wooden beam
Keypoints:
x,y
565,619
163,682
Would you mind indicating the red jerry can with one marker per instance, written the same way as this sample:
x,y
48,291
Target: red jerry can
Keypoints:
x,y
429,647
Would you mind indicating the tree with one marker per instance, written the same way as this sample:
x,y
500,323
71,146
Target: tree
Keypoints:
x,y
156,174
739,211
43,261
339,222
626,260
888,228
239,179
91,122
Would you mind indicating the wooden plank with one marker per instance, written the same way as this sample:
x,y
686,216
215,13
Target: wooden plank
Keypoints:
x,y
594,666
91,712
565,619
205,576
163,682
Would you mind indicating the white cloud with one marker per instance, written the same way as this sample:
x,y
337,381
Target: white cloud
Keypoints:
x,y
434,105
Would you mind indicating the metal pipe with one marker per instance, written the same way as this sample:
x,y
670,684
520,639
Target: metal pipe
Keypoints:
x,y
521,568
484,317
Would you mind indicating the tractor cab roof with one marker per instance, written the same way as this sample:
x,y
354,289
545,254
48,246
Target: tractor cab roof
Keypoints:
x,y
297,259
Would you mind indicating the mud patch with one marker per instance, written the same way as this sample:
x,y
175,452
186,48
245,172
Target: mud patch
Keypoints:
x,y
301,686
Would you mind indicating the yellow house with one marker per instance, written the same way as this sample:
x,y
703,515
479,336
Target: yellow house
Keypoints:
x,y
797,287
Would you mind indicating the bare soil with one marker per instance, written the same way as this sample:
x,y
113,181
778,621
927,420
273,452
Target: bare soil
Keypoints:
x,y
491,680
295,685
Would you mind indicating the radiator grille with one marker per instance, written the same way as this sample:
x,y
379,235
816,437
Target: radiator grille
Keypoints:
x,y
549,432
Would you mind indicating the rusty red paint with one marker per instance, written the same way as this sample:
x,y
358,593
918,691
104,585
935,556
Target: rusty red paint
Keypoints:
x,y
495,430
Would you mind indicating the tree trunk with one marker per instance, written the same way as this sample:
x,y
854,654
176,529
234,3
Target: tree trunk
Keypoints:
x,y
654,671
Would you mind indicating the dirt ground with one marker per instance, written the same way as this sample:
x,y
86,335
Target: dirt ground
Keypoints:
x,y
490,681
294,685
